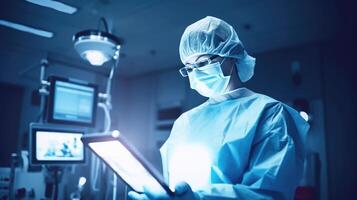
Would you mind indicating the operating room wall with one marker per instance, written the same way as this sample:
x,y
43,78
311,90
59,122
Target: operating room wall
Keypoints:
x,y
340,97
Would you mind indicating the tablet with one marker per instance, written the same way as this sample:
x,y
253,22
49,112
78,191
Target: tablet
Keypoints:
x,y
126,162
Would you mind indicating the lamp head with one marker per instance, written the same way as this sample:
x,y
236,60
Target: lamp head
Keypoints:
x,y
97,47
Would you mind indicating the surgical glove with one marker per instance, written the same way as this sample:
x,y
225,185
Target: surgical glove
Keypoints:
x,y
182,192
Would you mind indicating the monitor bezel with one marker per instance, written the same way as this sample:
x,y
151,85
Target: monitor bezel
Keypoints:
x,y
51,101
35,127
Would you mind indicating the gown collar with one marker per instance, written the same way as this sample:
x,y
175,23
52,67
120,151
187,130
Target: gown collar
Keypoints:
x,y
234,94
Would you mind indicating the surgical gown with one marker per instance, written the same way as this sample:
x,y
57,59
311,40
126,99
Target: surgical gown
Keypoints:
x,y
241,145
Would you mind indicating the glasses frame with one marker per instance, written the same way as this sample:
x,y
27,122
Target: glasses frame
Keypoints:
x,y
188,68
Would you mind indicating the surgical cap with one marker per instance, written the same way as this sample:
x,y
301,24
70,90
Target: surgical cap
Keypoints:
x,y
211,35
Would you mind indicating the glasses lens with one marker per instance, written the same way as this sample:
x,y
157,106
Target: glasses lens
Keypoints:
x,y
213,57
206,62
184,71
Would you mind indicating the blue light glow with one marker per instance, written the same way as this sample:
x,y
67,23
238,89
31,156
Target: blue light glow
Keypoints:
x,y
304,115
95,57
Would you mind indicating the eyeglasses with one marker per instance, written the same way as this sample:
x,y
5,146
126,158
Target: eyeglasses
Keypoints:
x,y
184,71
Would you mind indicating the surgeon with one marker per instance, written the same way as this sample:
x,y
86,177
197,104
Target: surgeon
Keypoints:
x,y
238,144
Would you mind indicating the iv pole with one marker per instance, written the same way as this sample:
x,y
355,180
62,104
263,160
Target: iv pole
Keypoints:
x,y
107,106
43,90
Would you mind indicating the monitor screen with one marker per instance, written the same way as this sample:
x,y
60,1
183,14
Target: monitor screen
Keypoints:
x,y
58,146
72,102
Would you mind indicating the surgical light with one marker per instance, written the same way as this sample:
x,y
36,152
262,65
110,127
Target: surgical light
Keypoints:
x,y
95,57
97,47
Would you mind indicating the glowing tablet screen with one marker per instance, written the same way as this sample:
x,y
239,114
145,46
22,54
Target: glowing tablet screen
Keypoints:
x,y
125,165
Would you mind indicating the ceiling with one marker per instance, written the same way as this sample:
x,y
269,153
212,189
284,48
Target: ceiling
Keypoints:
x,y
152,29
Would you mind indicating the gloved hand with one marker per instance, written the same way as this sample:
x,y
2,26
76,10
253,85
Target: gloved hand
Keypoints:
x,y
182,192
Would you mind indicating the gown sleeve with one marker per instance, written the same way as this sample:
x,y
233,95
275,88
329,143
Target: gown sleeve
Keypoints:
x,y
275,159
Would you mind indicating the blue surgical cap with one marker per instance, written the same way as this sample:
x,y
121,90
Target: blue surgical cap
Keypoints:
x,y
211,35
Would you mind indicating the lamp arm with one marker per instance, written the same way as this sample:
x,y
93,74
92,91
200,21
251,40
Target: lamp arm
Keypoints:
x,y
105,24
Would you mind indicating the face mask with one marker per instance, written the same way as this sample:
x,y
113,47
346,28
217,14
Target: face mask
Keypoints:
x,y
209,80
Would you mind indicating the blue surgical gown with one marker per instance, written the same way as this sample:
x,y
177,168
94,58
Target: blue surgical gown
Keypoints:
x,y
241,145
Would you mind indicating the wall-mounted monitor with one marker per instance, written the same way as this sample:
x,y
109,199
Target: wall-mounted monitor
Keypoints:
x,y
56,145
72,102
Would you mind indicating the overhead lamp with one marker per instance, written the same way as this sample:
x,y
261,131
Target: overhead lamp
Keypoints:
x,y
97,47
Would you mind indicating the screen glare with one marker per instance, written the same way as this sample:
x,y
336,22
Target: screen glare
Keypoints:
x,y
126,165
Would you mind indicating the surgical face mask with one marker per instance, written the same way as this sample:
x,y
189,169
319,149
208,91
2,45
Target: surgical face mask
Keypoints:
x,y
209,80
